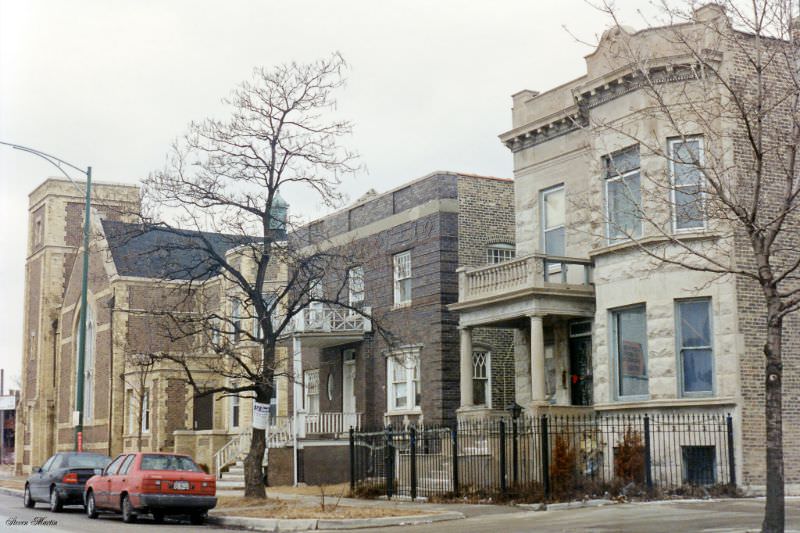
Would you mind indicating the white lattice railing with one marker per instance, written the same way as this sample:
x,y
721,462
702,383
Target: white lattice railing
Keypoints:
x,y
335,423
326,318
525,272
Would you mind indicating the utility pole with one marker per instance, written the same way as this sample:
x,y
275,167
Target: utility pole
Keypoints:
x,y
77,415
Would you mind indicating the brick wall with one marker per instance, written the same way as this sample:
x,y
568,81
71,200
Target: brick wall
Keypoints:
x,y
752,306
486,217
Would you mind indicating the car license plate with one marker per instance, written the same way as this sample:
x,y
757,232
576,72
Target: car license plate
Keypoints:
x,y
181,485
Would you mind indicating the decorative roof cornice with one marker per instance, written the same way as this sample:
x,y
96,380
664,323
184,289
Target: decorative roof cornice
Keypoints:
x,y
605,89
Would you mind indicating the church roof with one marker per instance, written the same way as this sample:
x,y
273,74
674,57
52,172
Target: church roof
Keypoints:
x,y
165,253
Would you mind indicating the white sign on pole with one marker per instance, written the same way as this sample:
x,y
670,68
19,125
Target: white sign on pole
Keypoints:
x,y
260,415
7,403
76,417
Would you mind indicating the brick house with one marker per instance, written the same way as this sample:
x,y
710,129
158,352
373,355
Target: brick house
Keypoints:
x,y
599,326
409,243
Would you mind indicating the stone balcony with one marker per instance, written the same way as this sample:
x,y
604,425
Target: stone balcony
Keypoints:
x,y
529,275
522,294
534,284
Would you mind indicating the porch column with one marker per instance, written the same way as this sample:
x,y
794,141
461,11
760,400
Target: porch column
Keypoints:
x,y
538,389
466,367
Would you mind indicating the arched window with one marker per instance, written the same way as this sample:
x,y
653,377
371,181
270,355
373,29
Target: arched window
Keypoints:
x,y
88,363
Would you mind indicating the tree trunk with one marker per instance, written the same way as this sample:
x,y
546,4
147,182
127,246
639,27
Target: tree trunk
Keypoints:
x,y
774,513
253,469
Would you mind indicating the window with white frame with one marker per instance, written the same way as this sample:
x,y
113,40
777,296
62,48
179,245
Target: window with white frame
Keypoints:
x,y
88,364
553,216
688,211
402,278
499,253
311,380
481,377
133,410
235,407
403,386
629,339
623,194
138,411
695,352
355,285
236,318
145,421
269,304
216,328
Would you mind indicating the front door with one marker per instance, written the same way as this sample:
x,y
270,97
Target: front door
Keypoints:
x,y
580,362
349,387
203,412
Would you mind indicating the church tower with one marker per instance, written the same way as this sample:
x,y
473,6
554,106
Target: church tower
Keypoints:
x,y
55,230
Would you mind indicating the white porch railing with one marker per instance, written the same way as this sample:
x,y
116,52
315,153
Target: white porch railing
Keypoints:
x,y
327,318
331,423
524,273
232,449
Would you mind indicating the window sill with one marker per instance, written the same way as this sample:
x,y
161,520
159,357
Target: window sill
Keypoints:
x,y
401,412
401,305
670,402
653,239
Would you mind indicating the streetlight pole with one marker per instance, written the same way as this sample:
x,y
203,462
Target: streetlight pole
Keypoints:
x,y
56,162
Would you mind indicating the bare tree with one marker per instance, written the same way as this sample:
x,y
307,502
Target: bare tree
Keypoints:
x,y
220,190
723,196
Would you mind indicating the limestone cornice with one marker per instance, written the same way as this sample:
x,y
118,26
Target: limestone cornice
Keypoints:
x,y
610,86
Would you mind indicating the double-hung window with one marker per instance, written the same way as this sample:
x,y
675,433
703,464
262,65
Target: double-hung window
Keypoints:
x,y
311,379
146,411
235,408
269,299
688,211
403,380
553,234
236,318
402,278
355,285
694,346
629,342
623,195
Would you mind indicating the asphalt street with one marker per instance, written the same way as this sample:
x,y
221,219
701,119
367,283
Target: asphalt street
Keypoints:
x,y
14,517
659,517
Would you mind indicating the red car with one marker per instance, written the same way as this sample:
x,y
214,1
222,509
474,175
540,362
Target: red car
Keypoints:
x,y
151,483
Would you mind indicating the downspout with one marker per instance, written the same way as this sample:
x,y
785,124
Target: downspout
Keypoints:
x,y
54,325
111,304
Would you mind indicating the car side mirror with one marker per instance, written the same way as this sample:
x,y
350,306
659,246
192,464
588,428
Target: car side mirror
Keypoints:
x,y
37,470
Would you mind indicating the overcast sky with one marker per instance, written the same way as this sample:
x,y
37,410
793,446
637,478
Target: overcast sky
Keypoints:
x,y
110,83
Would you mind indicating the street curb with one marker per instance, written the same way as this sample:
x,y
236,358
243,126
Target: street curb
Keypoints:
x,y
301,524
11,492
566,505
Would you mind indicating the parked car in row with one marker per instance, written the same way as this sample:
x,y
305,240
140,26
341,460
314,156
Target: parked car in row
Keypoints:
x,y
151,483
60,481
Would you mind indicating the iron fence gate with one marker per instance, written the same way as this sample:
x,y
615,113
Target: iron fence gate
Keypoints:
x,y
545,458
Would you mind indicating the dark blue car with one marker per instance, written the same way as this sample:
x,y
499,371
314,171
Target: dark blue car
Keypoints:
x,y
60,480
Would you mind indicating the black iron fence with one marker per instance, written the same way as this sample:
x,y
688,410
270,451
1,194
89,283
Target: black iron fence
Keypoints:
x,y
546,458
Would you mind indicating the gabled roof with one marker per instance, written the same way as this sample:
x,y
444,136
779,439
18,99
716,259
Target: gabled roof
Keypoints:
x,y
161,253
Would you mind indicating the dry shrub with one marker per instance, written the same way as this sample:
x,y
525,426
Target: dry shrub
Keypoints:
x,y
563,468
629,457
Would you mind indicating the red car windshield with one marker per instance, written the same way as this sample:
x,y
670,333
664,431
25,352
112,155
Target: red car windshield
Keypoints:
x,y
168,462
